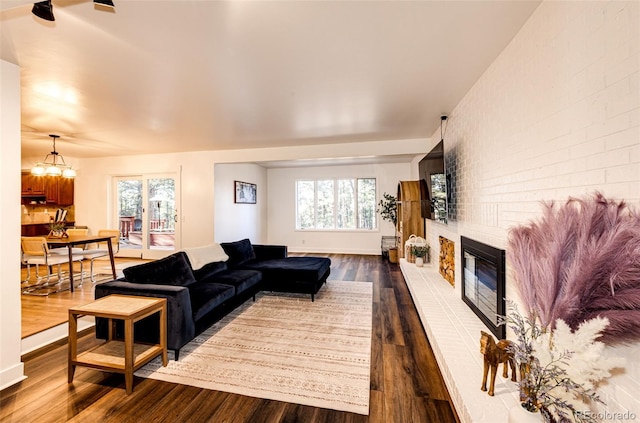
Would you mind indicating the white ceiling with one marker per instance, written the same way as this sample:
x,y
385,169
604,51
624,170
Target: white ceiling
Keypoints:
x,y
169,76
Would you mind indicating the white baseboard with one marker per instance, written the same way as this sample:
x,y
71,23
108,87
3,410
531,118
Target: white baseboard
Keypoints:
x,y
303,249
46,337
11,376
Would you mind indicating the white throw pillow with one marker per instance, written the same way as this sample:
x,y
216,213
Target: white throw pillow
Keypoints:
x,y
199,256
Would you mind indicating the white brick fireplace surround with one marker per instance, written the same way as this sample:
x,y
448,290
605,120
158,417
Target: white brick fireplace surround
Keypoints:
x,y
454,334
557,114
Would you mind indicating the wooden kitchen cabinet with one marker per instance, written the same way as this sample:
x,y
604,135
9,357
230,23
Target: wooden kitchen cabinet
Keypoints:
x,y
39,229
65,191
35,229
51,189
57,191
32,185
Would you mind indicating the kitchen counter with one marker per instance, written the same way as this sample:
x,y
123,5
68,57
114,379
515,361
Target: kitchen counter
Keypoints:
x,y
38,228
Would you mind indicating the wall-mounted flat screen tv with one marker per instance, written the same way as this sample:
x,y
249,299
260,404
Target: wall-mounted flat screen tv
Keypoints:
x,y
433,177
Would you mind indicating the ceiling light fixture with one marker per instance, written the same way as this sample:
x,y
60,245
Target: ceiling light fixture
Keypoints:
x,y
56,166
44,9
105,3
443,118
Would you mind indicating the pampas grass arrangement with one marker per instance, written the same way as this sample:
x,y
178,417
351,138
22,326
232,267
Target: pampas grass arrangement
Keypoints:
x,y
581,261
563,367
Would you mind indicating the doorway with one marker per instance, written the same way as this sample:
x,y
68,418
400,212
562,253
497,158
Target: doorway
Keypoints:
x,y
146,209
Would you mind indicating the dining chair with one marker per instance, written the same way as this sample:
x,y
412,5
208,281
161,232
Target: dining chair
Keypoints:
x,y
102,249
77,231
35,251
75,251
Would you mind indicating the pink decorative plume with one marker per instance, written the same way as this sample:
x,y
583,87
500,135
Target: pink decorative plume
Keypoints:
x,y
579,261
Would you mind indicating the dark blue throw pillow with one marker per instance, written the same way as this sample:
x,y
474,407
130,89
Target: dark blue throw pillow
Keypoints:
x,y
239,252
171,270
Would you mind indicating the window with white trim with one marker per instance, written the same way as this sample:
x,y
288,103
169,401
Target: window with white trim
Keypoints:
x,y
336,204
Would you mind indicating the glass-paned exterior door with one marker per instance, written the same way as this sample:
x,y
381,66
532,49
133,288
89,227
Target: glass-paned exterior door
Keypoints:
x,y
147,215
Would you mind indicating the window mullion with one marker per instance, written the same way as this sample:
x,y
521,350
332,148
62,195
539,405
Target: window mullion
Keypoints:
x,y
315,204
354,204
336,202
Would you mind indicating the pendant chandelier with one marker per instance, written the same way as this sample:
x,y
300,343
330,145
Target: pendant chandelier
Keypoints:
x,y
53,164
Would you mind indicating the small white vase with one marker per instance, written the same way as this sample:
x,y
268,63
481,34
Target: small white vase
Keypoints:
x,y
519,414
419,261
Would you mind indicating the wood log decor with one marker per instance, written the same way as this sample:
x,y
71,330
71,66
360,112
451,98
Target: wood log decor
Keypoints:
x,y
447,260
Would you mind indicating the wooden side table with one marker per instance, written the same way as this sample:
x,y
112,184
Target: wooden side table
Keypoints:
x,y
114,355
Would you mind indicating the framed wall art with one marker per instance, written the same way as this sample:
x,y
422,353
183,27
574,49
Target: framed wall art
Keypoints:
x,y
245,192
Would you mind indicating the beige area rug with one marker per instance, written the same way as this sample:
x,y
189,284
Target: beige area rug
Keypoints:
x,y
286,348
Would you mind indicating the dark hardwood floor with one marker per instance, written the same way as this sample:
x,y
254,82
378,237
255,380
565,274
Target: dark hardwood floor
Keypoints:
x,y
40,313
406,385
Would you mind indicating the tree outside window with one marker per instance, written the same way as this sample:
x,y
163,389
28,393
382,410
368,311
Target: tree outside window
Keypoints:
x,y
367,203
347,204
306,213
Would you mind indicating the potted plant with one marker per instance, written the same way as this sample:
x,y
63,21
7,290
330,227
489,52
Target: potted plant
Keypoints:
x,y
421,252
388,210
56,230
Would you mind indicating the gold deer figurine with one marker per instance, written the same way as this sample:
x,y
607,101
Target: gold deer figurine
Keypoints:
x,y
494,354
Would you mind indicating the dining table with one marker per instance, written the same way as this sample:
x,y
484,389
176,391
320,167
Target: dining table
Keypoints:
x,y
75,240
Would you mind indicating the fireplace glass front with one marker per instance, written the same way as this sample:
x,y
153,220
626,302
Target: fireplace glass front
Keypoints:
x,y
483,282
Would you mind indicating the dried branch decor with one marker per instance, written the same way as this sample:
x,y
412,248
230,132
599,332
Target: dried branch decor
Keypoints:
x,y
580,261
560,369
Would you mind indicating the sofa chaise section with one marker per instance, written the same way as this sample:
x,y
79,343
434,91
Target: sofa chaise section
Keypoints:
x,y
279,272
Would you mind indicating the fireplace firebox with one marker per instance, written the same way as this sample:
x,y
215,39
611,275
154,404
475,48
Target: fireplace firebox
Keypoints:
x,y
483,282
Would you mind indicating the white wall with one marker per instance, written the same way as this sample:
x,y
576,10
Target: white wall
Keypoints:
x,y
11,368
207,211
238,221
557,114
93,190
93,184
282,207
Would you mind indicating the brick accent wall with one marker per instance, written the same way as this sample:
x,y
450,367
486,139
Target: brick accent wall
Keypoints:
x,y
557,114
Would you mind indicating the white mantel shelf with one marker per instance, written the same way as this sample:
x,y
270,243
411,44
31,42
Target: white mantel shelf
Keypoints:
x,y
454,333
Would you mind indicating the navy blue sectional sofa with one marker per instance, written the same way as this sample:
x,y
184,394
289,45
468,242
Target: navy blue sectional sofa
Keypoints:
x,y
202,285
